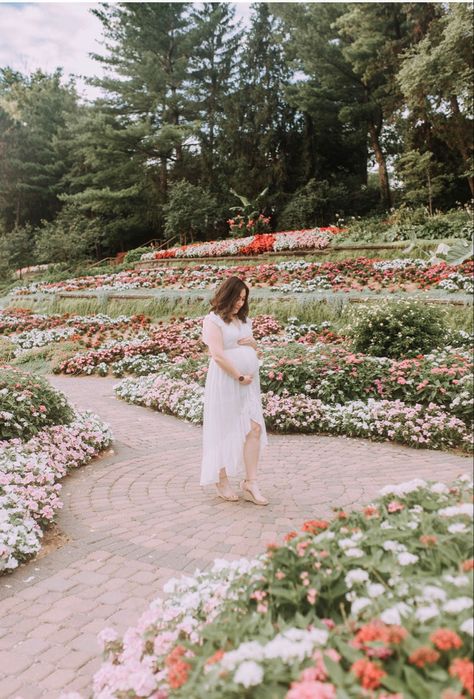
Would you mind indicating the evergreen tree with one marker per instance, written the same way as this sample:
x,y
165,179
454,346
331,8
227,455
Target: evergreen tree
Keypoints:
x,y
437,78
33,110
212,72
260,126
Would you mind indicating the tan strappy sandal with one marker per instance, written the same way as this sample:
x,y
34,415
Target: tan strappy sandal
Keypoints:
x,y
248,493
229,498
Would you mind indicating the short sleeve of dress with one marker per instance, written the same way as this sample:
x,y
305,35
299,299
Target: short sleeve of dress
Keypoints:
x,y
210,318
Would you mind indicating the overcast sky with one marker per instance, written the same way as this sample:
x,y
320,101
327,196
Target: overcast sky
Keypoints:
x,y
52,35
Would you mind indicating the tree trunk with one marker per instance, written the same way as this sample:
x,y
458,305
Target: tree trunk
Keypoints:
x,y
163,176
463,138
17,212
385,194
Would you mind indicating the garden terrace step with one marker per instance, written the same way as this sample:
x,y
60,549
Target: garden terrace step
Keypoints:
x,y
150,264
266,293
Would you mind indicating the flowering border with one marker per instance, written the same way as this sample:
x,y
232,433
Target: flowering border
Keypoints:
x,y
29,471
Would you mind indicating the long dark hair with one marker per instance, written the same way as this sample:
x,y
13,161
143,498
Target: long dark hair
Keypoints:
x,y
226,296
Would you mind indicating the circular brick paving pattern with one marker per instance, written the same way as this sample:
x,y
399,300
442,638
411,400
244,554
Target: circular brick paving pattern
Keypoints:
x,y
137,516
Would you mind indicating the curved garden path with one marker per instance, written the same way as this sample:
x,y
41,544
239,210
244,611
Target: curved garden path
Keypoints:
x,y
138,516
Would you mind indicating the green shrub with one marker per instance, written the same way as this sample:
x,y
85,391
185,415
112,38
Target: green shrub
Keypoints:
x,y
401,329
28,404
406,223
135,255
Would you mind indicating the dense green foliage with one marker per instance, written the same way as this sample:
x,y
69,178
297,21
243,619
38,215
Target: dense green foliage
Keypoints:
x,y
400,329
319,104
28,404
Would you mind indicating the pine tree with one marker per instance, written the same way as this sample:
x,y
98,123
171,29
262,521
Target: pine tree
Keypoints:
x,y
212,72
33,110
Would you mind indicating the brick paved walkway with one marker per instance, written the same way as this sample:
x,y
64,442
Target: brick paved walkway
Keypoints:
x,y
138,516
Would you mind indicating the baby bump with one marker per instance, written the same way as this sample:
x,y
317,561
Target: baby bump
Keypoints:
x,y
244,359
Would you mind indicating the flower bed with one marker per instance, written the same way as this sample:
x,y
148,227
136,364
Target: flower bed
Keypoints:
x,y
292,276
310,239
374,603
416,425
29,471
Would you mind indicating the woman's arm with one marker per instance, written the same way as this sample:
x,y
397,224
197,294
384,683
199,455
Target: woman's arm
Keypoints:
x,y
216,349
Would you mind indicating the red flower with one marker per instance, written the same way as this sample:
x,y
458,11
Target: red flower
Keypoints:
x,y
368,673
313,526
468,565
463,669
445,639
290,536
423,656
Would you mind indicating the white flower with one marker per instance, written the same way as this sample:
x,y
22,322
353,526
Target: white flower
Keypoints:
x,y
403,488
391,616
354,553
468,627
432,593
359,604
457,528
454,606
356,575
466,508
440,488
405,558
390,545
425,613
375,589
457,580
249,674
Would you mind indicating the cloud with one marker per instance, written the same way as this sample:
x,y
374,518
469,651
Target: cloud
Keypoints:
x,y
58,35
49,36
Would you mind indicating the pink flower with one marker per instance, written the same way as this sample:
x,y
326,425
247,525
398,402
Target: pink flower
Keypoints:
x,y
311,690
395,506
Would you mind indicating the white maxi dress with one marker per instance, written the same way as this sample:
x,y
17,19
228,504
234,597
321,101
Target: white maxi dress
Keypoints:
x,y
229,406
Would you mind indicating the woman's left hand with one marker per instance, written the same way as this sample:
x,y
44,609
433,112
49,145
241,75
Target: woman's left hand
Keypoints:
x,y
248,342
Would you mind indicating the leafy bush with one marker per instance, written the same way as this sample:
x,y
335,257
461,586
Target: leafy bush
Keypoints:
x,y
134,255
401,329
28,404
314,204
406,223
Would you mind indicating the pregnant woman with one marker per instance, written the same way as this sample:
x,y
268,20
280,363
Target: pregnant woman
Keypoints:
x,y
234,431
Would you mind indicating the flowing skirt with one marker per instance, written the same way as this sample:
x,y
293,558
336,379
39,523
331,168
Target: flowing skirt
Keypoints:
x,y
229,408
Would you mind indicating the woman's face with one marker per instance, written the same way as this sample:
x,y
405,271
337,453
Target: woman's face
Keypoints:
x,y
239,302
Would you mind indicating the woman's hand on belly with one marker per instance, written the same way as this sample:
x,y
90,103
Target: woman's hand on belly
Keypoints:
x,y
248,342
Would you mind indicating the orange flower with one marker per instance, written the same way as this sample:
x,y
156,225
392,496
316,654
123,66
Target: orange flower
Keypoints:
x,y
313,526
463,669
396,634
445,639
290,536
371,511
377,631
428,540
368,673
215,657
178,669
423,656
468,565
